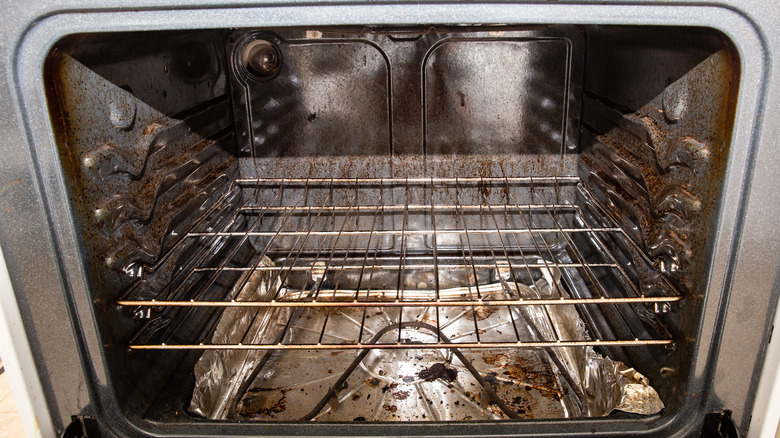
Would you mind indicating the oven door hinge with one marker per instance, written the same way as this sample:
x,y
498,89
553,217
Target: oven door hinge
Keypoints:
x,y
719,425
81,427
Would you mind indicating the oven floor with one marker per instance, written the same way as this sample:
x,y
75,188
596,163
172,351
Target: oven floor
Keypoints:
x,y
403,385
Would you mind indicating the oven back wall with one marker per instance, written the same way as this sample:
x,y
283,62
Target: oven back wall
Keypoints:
x,y
418,102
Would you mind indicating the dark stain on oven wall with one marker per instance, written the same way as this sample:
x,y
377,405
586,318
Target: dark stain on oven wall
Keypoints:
x,y
144,156
654,152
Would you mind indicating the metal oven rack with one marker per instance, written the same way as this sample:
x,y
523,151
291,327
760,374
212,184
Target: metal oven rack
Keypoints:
x,y
326,227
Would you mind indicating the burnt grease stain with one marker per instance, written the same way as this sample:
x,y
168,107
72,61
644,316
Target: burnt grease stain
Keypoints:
x,y
263,402
401,395
438,371
389,387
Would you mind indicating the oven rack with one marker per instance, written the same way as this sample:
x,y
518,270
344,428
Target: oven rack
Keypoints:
x,y
544,213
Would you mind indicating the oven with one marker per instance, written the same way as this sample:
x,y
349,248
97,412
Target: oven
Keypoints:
x,y
390,219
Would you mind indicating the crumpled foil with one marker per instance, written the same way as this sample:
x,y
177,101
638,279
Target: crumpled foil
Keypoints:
x,y
602,384
598,384
219,373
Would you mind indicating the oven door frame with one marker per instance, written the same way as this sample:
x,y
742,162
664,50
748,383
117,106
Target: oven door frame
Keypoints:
x,y
48,314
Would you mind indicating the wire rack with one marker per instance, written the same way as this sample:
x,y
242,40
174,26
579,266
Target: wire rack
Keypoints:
x,y
440,245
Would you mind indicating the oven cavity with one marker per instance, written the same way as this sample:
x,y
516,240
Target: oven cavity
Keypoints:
x,y
437,223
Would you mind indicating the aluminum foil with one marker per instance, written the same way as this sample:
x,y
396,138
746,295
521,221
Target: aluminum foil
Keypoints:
x,y
219,373
593,385
601,384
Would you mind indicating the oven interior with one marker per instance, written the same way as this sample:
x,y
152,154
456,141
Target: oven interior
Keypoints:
x,y
391,224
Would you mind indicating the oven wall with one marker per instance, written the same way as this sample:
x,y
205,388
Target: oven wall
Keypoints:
x,y
425,101
146,143
657,120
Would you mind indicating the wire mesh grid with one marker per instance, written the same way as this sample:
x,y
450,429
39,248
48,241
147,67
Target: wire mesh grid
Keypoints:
x,y
449,247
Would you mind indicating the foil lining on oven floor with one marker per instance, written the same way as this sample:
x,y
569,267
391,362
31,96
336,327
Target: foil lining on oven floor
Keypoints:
x,y
402,385
421,384
406,385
